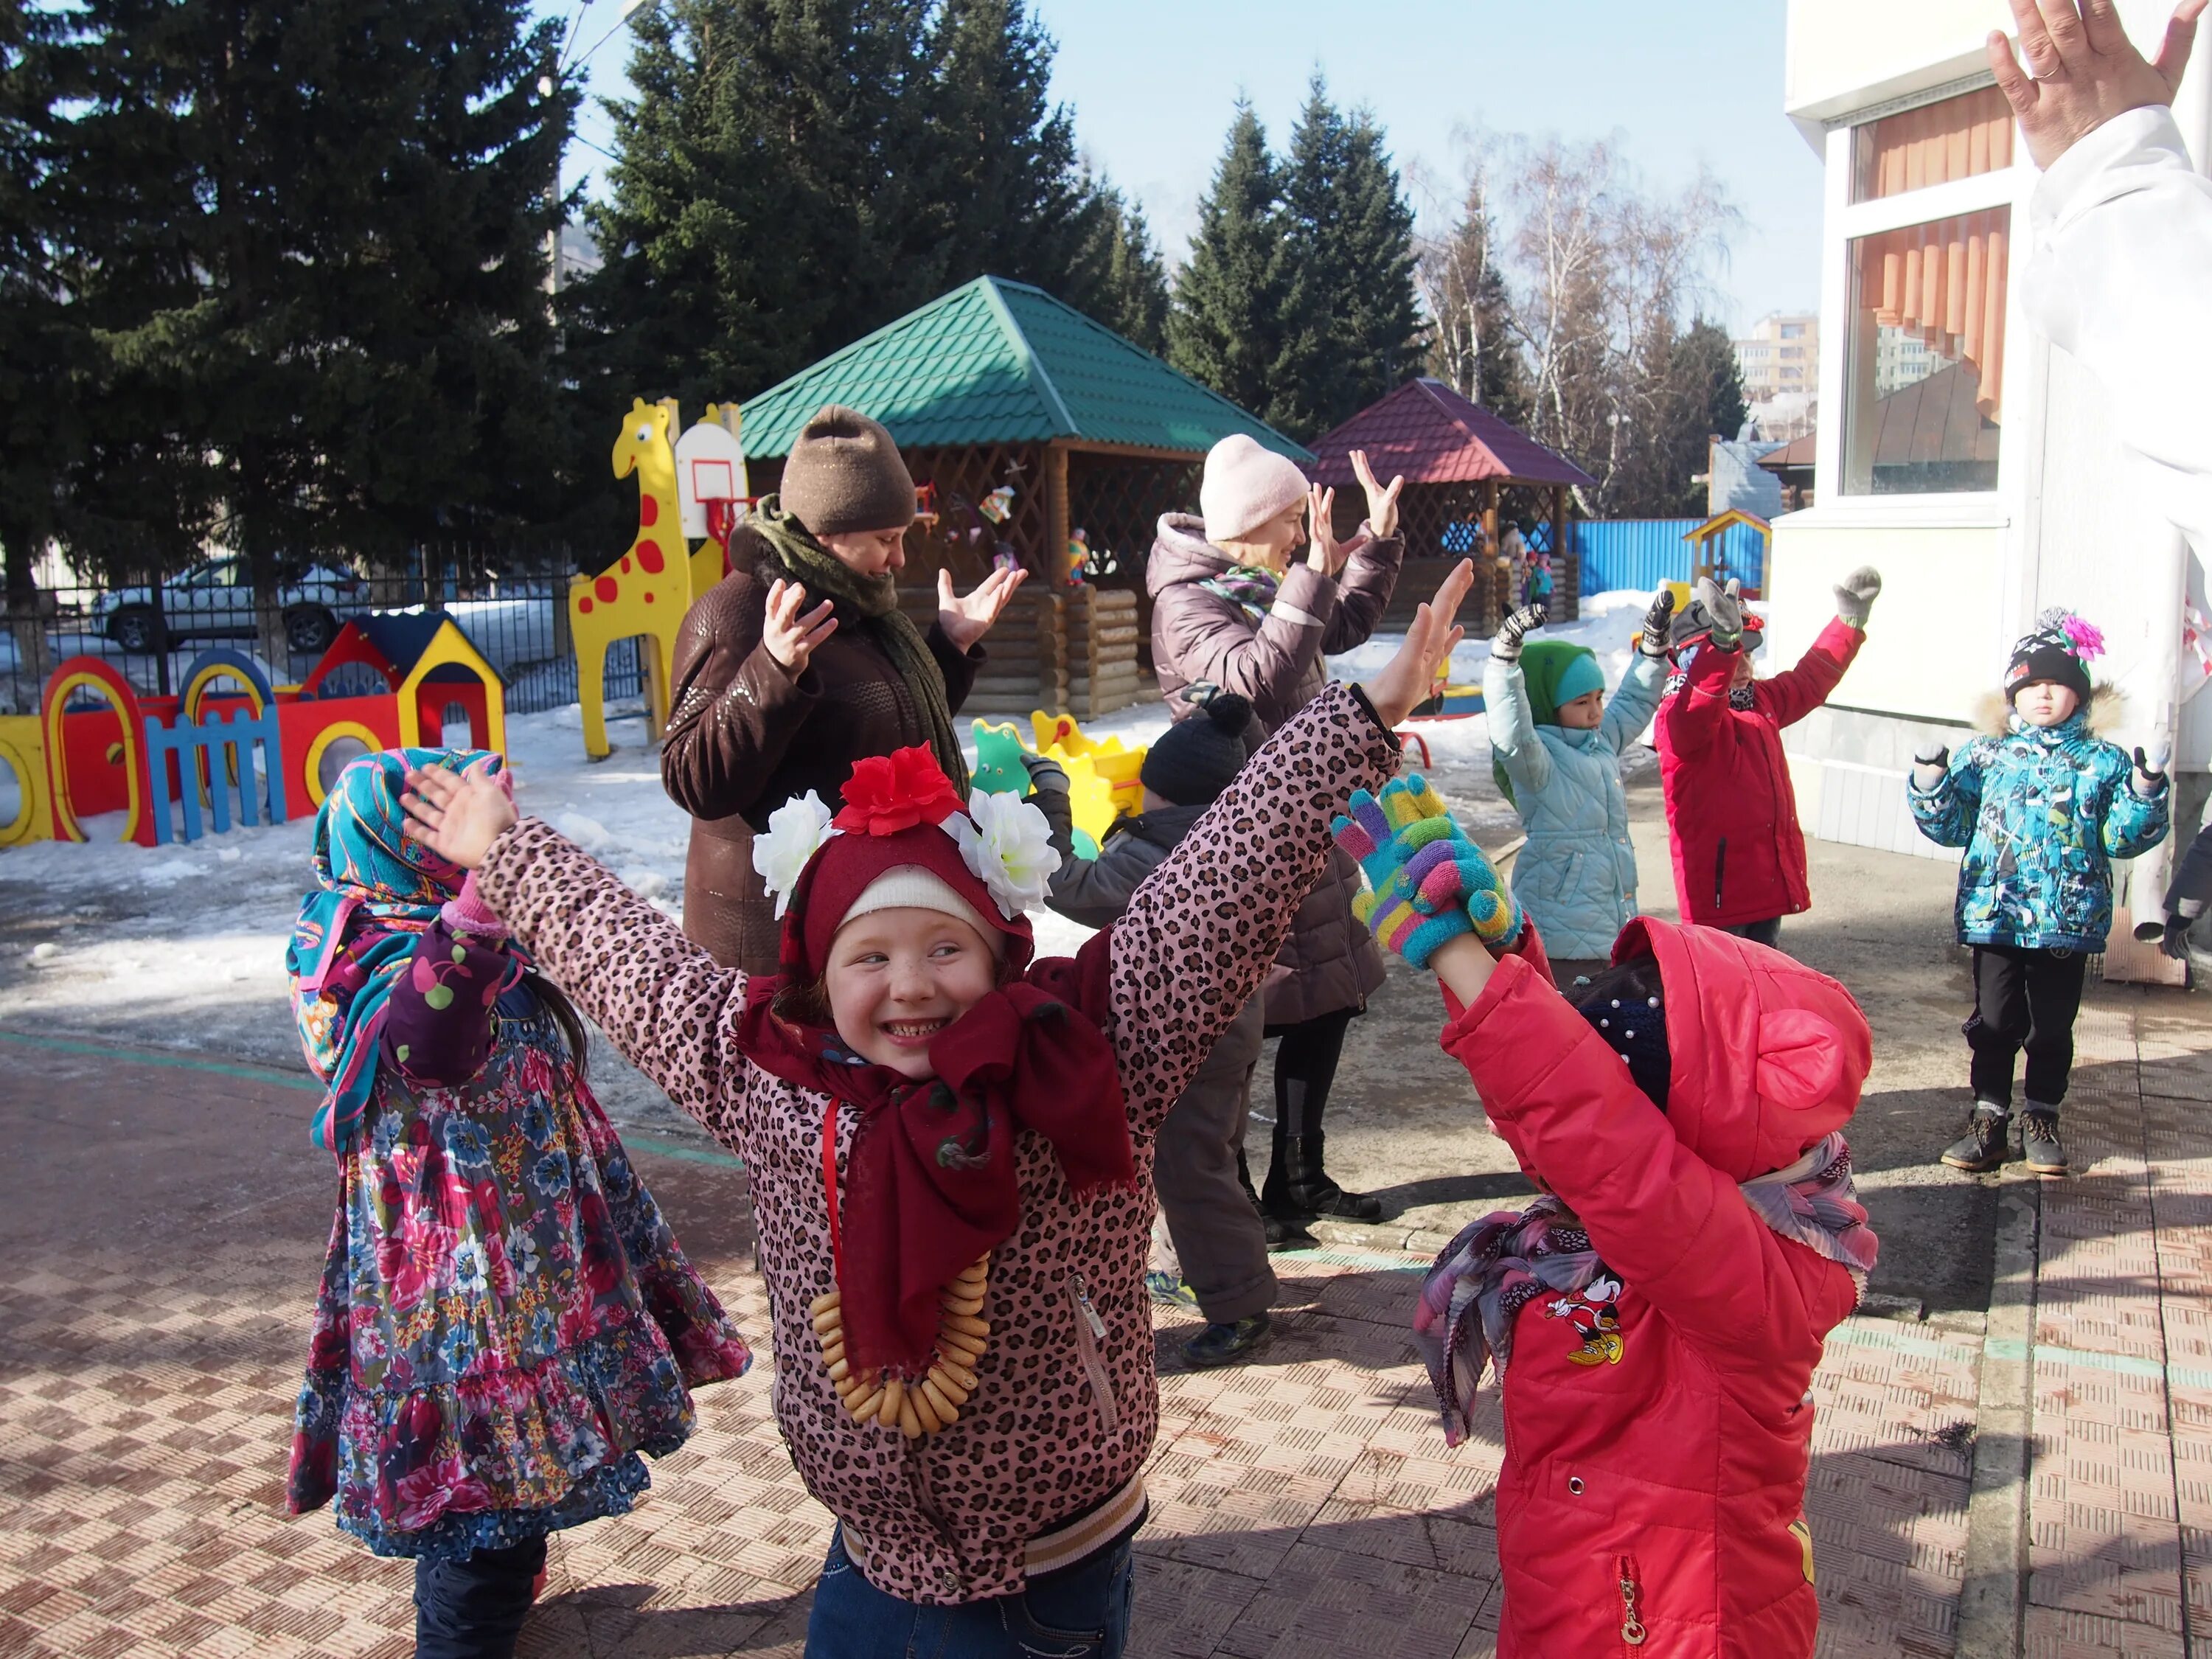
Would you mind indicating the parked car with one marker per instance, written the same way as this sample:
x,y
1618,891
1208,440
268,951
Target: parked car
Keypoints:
x,y
217,596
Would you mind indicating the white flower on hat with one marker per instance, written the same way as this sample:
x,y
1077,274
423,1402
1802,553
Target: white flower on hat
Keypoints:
x,y
795,833
1007,844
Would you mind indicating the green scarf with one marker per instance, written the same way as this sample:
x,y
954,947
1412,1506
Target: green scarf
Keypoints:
x,y
873,601
1544,666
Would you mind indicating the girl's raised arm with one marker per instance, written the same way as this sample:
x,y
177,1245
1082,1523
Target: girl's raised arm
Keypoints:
x,y
662,1001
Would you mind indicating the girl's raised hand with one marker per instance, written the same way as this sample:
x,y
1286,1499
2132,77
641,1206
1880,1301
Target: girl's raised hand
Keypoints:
x,y
1407,678
1382,503
458,815
790,637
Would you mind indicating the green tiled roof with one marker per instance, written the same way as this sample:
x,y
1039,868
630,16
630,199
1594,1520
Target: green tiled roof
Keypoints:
x,y
995,361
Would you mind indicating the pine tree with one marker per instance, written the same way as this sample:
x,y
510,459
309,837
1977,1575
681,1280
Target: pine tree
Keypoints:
x,y
1472,347
1709,381
1225,328
1351,322
1120,270
319,258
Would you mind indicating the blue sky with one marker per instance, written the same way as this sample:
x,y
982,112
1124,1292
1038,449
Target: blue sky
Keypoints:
x,y
1153,84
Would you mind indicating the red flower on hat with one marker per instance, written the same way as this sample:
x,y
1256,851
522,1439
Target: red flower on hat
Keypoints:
x,y
887,793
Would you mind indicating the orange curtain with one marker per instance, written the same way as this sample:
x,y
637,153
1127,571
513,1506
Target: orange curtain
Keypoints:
x,y
1944,283
1934,144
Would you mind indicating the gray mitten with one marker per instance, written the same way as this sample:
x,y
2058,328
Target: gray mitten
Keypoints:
x,y
1047,775
1724,611
1856,594
1506,647
1658,629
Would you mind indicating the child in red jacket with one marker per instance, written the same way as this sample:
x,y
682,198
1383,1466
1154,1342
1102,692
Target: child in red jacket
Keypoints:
x,y
1657,1317
1739,854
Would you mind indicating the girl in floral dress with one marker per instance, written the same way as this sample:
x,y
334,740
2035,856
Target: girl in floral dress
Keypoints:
x,y
505,1321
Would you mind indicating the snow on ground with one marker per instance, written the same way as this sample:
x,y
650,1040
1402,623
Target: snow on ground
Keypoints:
x,y
184,946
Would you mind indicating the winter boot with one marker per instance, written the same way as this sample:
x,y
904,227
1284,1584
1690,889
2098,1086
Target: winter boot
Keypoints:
x,y
1278,1234
2040,1140
1982,1148
1298,1190
1222,1345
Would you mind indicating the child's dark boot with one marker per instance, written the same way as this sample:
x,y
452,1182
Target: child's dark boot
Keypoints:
x,y
1982,1148
2040,1140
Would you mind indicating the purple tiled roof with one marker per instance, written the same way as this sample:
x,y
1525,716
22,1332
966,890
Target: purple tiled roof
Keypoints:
x,y
1430,433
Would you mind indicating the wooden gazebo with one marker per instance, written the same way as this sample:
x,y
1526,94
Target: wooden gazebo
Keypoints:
x,y
997,387
1457,460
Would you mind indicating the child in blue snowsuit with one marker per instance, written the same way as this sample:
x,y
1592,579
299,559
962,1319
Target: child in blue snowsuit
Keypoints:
x,y
1555,745
2042,810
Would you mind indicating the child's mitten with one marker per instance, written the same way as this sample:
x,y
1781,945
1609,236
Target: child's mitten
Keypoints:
x,y
1856,594
1427,882
1506,647
1657,633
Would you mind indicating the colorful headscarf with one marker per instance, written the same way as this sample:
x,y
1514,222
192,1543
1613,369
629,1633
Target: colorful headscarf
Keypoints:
x,y
378,891
1501,1263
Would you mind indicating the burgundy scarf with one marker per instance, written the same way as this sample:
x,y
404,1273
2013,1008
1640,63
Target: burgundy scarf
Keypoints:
x,y
929,1184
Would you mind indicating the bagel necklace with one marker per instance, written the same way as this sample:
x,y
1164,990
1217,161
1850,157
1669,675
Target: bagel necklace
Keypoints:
x,y
892,1402
933,1403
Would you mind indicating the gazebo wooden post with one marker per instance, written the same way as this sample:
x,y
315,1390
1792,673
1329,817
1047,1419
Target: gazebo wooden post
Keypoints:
x,y
1566,574
1056,508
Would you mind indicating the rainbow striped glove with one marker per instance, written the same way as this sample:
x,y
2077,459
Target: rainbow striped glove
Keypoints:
x,y
1427,883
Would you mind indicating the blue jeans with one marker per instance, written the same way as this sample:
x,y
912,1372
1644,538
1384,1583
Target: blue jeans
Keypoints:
x,y
1080,1611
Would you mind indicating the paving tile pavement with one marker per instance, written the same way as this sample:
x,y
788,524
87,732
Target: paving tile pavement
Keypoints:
x,y
165,1228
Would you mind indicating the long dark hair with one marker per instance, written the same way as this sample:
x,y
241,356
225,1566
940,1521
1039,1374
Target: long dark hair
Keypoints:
x,y
573,1032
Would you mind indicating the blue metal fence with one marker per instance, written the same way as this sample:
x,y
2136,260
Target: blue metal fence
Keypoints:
x,y
1642,553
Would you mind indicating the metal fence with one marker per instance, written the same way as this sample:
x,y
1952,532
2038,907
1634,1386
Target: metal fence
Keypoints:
x,y
151,630
1639,554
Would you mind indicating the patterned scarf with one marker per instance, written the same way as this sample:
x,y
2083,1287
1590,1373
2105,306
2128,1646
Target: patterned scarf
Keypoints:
x,y
1504,1261
870,602
378,891
1247,586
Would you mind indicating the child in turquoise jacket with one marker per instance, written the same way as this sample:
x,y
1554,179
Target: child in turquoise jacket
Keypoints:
x,y
1555,745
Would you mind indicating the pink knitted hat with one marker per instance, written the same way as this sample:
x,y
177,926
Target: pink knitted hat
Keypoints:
x,y
1244,486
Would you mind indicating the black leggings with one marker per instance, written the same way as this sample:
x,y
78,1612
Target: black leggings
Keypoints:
x,y
2024,999
473,1608
1305,1067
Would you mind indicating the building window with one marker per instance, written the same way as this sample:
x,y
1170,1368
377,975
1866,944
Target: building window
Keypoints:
x,y
1958,138
1925,396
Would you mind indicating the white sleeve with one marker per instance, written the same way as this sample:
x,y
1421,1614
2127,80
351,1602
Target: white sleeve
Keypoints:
x,y
2121,277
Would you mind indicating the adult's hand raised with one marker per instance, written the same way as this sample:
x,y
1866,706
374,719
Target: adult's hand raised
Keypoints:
x,y
966,620
789,637
2077,68
1409,677
1382,502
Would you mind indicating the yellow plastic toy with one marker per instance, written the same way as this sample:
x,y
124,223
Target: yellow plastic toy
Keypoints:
x,y
23,752
1101,776
647,590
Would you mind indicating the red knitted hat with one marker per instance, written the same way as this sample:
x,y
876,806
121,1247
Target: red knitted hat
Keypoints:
x,y
895,816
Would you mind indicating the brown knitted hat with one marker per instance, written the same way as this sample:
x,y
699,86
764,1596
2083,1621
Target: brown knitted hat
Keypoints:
x,y
845,474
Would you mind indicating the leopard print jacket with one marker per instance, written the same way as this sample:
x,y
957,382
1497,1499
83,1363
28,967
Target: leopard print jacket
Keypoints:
x,y
1065,1419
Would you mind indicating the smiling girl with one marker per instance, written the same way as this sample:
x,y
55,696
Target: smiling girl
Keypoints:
x,y
949,1146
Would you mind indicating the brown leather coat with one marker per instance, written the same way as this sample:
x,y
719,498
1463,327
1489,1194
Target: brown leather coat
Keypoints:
x,y
745,737
1327,961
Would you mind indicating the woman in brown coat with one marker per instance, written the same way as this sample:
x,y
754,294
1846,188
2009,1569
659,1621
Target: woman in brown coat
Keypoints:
x,y
773,699
1234,606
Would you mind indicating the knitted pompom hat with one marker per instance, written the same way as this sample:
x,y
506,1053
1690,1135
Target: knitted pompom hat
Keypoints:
x,y
2057,649
1244,486
1196,759
845,474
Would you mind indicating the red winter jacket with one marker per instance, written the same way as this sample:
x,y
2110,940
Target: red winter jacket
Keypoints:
x,y
1739,854
1673,1477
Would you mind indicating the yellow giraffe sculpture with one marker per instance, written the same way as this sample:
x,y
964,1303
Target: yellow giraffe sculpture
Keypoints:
x,y
646,592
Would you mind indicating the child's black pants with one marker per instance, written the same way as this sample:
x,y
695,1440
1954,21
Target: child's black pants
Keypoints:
x,y
2024,999
473,1608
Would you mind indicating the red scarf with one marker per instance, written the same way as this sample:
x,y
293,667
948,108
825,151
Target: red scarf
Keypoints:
x,y
929,1183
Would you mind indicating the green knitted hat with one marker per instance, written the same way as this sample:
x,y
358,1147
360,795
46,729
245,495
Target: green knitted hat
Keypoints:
x,y
1555,673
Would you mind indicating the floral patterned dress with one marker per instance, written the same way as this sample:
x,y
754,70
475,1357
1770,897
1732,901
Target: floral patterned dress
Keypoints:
x,y
505,1321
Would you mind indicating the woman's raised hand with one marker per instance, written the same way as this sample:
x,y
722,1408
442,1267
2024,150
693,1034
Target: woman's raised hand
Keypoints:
x,y
458,815
1382,503
789,637
1408,677
966,620
1326,555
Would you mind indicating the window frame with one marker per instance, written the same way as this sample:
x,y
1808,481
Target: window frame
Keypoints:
x,y
1845,223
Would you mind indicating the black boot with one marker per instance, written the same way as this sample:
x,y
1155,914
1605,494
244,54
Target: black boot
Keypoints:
x,y
2041,1143
1298,1190
1278,1233
1982,1148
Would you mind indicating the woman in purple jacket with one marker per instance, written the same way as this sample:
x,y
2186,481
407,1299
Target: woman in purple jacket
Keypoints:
x,y
1234,606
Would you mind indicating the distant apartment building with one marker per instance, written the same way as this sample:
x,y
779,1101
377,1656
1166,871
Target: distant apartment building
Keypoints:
x,y
1780,357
